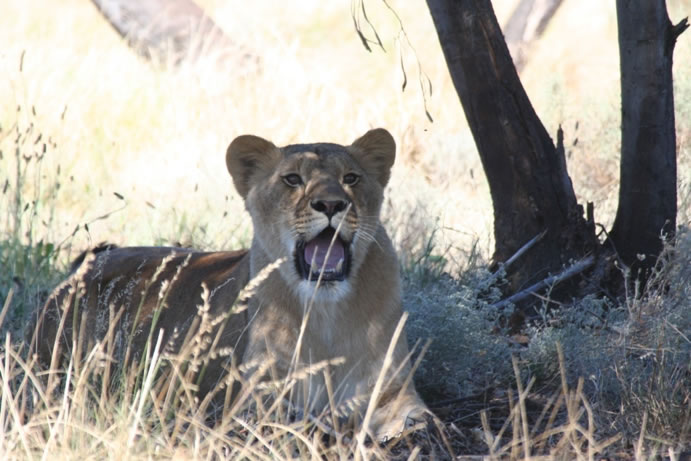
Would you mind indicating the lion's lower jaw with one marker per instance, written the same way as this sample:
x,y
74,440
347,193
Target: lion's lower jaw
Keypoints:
x,y
324,292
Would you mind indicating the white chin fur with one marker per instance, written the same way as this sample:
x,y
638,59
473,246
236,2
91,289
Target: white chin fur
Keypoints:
x,y
328,292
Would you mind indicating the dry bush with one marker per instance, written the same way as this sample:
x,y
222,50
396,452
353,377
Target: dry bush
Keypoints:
x,y
624,363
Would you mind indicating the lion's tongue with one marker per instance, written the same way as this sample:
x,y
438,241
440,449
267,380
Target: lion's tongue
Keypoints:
x,y
317,248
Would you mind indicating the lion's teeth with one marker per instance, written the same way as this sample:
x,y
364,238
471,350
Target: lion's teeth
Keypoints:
x,y
339,266
314,268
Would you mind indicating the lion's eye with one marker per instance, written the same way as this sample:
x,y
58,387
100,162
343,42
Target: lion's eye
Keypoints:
x,y
351,179
293,180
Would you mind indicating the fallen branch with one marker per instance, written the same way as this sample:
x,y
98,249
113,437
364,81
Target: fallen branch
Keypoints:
x,y
521,251
575,269
526,25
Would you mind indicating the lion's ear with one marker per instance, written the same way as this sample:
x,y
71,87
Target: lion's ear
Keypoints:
x,y
248,155
376,152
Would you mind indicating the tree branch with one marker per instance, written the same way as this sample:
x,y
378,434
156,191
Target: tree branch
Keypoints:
x,y
521,251
575,269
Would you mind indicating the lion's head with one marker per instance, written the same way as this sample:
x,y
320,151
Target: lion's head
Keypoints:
x,y
317,205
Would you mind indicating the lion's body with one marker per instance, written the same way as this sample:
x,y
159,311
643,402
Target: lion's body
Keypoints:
x,y
301,198
120,279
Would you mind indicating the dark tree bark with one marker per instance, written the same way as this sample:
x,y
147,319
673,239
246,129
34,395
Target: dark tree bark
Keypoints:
x,y
530,187
172,30
526,24
648,183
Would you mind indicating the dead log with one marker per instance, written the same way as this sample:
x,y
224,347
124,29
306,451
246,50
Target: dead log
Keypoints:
x,y
526,24
169,31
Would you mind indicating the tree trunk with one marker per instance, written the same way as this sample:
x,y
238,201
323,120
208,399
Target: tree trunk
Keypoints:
x,y
530,187
526,24
648,183
172,30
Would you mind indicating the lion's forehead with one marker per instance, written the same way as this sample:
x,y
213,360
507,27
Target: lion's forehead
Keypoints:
x,y
321,149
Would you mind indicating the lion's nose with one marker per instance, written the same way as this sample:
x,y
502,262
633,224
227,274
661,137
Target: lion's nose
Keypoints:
x,y
329,207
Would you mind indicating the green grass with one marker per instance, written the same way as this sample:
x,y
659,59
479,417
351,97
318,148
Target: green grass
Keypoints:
x,y
28,255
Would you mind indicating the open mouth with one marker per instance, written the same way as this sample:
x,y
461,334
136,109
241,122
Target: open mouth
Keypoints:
x,y
315,255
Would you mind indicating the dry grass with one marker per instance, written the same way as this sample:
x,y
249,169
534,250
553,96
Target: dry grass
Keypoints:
x,y
111,123
104,403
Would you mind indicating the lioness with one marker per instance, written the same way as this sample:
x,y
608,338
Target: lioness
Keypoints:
x,y
335,294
